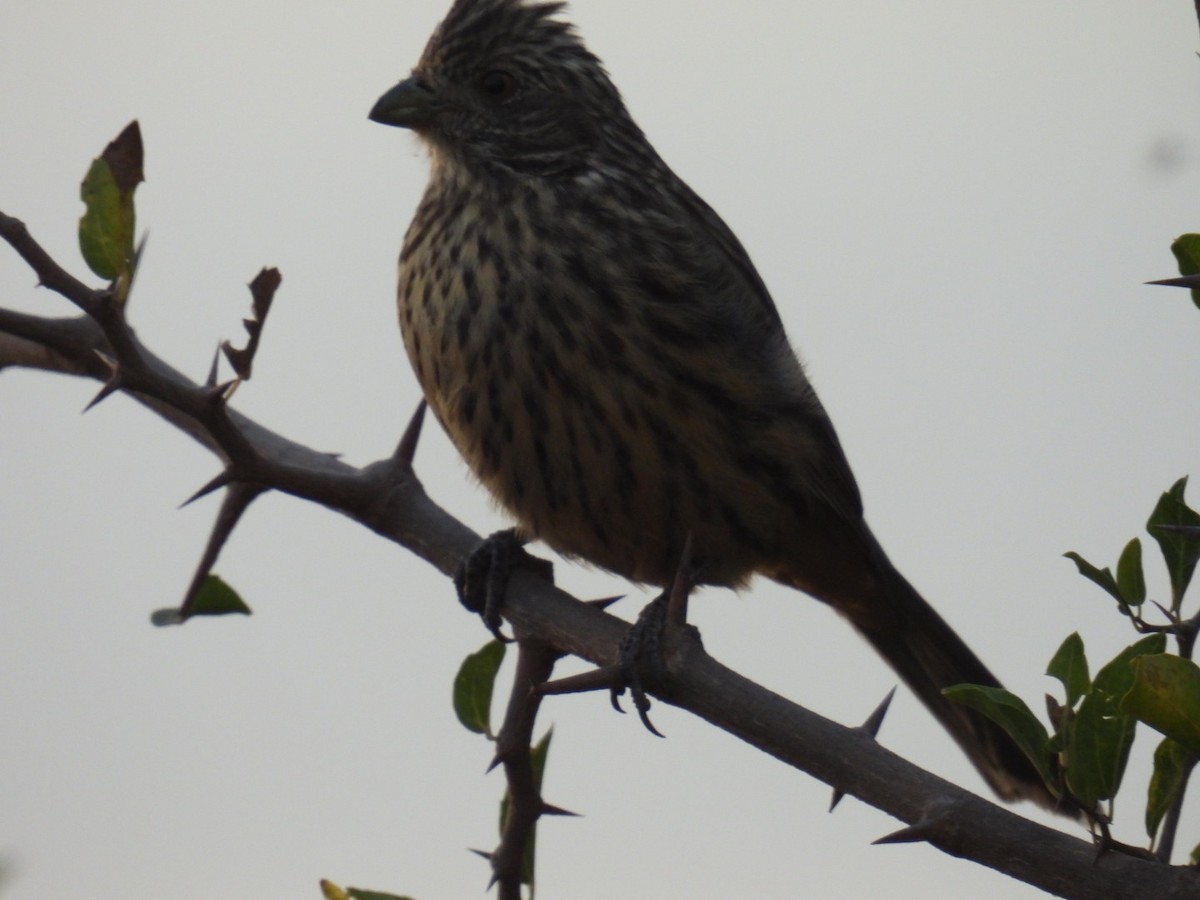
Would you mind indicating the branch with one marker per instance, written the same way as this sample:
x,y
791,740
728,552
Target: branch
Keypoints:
x,y
386,497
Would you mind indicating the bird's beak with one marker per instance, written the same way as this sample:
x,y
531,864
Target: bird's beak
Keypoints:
x,y
410,104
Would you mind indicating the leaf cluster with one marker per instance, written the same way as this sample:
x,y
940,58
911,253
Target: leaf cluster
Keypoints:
x,y
1083,754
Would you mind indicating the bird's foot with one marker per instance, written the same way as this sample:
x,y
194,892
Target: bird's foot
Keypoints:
x,y
482,579
641,654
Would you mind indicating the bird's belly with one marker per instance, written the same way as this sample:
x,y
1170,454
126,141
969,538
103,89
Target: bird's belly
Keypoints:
x,y
613,466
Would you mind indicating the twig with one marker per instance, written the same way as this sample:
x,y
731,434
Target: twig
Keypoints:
x,y
387,498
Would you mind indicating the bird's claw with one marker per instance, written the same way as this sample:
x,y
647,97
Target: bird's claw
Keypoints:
x,y
641,651
482,579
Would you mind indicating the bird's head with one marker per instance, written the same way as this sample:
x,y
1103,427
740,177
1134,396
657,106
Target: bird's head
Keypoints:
x,y
507,84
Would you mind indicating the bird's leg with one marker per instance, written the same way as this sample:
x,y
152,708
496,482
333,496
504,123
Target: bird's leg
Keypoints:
x,y
482,579
641,649
640,655
640,652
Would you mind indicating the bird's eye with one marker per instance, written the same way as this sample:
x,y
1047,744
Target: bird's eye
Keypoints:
x,y
498,85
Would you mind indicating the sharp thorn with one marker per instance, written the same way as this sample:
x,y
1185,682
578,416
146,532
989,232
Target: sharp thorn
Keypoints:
x,y
681,586
601,679
1187,281
482,853
1171,617
110,387
604,602
549,809
223,479
838,794
407,448
211,381
496,761
920,831
875,719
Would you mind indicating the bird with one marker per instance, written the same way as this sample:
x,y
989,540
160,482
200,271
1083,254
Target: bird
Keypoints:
x,y
602,352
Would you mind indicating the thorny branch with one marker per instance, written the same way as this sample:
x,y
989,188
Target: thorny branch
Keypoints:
x,y
387,498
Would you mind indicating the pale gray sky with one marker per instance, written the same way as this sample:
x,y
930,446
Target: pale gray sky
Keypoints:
x,y
954,205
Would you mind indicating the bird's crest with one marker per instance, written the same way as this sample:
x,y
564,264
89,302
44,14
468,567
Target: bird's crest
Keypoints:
x,y
487,28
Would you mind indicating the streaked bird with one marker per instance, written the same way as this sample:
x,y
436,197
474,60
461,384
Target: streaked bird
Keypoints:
x,y
604,355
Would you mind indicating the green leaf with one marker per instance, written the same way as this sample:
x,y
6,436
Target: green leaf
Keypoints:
x,y
1172,762
473,686
1165,694
106,228
1069,665
1102,577
1186,248
1100,734
216,598
1130,579
1097,750
107,225
1116,678
1010,712
1180,550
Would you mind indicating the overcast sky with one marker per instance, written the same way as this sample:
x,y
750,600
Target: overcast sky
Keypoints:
x,y
955,206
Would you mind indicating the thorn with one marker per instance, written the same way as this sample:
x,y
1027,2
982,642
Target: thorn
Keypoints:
x,y
111,386
241,494
549,809
875,719
869,727
604,602
915,833
223,479
681,587
407,448
496,761
1171,617
482,853
1187,281
601,679
211,381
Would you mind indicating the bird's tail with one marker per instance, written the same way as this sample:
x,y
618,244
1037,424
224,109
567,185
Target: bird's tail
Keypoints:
x,y
927,653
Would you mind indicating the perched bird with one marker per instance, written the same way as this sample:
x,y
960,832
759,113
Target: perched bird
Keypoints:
x,y
601,350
